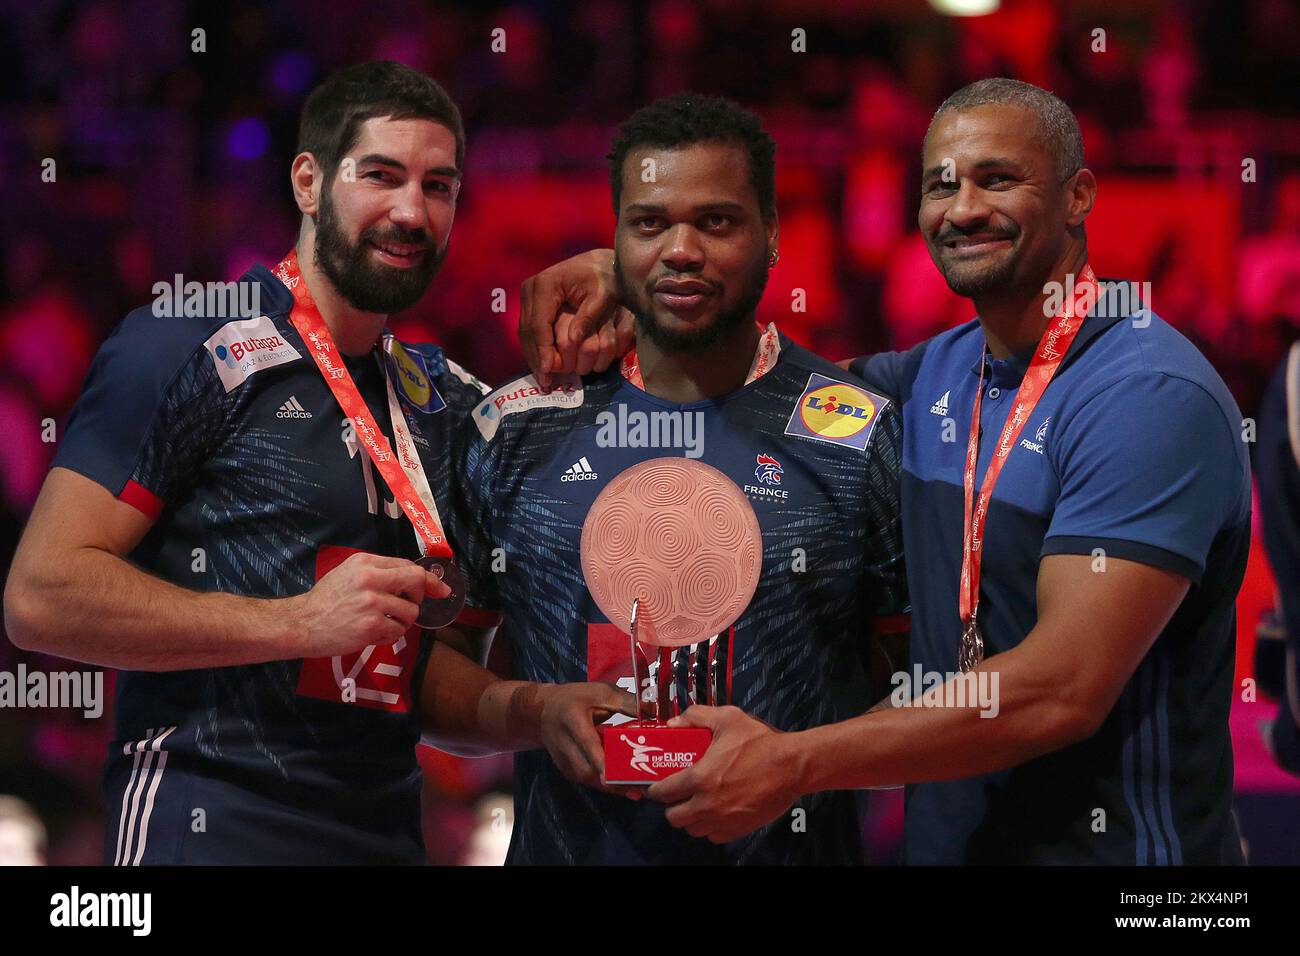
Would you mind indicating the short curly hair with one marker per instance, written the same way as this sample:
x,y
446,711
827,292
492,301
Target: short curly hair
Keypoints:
x,y
685,119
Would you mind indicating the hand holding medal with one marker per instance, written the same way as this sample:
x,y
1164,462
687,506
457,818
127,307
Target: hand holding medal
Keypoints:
x,y
403,471
439,612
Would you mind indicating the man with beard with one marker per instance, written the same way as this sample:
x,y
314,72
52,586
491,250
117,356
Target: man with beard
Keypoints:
x,y
219,525
1076,507
816,452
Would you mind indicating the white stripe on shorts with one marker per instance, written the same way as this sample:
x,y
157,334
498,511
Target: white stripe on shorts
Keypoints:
x,y
143,774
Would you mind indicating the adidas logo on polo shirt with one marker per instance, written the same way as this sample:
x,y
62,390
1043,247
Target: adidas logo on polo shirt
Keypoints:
x,y
580,470
292,409
941,406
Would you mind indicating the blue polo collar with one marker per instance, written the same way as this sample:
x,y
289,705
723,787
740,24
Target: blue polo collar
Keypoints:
x,y
1008,372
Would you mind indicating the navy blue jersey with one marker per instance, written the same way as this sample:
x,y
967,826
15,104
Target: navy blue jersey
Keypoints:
x,y
1133,452
1277,464
817,455
227,432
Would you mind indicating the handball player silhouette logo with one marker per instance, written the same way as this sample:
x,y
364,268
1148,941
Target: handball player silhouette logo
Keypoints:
x,y
640,753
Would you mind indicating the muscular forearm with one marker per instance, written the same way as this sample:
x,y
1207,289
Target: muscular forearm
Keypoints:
x,y
1033,713
96,607
470,711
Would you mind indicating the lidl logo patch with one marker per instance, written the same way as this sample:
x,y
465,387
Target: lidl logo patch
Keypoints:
x,y
411,377
835,412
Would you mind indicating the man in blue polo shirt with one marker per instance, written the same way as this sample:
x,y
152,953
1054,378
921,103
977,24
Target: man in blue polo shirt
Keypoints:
x,y
1073,552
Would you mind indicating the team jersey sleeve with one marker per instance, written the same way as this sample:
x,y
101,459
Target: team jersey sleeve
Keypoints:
x,y
1150,471
149,412
889,372
463,393
462,388
887,603
472,519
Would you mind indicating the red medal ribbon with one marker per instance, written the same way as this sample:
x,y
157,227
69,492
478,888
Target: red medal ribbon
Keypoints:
x,y
1051,348
306,318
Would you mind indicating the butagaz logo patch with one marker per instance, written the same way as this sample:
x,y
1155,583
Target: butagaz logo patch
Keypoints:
x,y
580,470
292,409
523,394
941,406
835,412
245,346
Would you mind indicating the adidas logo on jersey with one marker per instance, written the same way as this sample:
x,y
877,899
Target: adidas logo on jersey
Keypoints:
x,y
941,406
292,409
580,470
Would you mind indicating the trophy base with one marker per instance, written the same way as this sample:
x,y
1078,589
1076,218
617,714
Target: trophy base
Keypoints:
x,y
640,752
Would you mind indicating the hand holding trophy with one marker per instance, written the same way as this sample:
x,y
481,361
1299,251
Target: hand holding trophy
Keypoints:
x,y
671,552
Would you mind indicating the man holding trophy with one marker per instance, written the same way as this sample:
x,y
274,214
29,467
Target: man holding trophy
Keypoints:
x,y
1076,505
714,520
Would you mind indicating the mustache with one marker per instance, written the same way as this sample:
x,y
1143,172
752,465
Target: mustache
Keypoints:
x,y
400,236
955,233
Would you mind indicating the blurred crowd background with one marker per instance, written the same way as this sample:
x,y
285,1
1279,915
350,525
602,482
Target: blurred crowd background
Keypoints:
x,y
173,161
